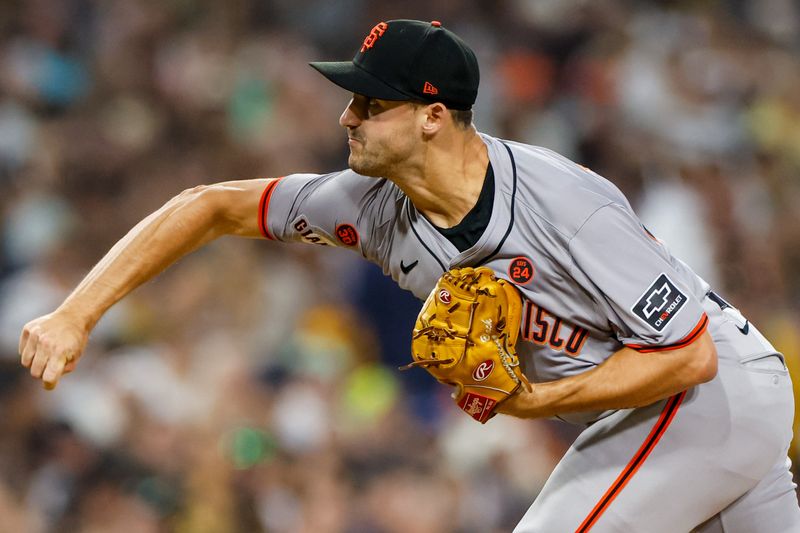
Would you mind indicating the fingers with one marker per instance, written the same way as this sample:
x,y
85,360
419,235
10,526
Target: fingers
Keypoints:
x,y
54,370
40,359
37,354
23,340
50,346
50,367
28,348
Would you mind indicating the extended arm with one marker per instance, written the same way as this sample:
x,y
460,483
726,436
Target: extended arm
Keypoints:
x,y
51,345
626,379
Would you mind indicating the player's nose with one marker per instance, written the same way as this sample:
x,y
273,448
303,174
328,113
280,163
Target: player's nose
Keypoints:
x,y
349,118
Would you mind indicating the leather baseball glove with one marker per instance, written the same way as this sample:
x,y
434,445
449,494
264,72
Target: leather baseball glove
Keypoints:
x,y
465,336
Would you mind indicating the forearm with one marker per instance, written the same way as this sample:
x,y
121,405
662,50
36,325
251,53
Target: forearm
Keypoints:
x,y
182,225
626,379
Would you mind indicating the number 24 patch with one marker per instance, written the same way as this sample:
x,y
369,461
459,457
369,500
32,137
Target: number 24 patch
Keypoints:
x,y
521,270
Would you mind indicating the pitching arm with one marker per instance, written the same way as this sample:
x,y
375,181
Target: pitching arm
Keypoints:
x,y
52,344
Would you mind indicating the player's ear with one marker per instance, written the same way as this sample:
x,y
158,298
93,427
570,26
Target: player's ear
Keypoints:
x,y
434,117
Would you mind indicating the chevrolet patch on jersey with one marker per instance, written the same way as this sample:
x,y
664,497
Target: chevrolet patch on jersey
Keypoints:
x,y
660,303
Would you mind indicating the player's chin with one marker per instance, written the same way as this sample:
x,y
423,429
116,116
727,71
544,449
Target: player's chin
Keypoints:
x,y
359,165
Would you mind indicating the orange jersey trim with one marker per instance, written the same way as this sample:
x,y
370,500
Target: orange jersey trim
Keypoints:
x,y
664,421
263,208
683,343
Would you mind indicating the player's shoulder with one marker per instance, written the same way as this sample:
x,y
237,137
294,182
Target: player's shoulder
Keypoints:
x,y
346,190
340,178
346,182
559,192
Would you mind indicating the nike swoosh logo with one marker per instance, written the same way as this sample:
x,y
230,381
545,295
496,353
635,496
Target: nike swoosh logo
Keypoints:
x,y
409,268
746,328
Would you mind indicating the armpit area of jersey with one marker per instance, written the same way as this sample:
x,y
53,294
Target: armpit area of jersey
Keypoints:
x,y
466,233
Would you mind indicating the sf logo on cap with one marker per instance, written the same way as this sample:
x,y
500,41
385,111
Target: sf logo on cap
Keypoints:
x,y
376,32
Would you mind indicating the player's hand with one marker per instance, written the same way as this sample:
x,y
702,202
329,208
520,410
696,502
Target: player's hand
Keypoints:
x,y
51,346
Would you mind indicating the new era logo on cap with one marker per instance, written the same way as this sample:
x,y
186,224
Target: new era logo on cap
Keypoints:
x,y
410,60
428,88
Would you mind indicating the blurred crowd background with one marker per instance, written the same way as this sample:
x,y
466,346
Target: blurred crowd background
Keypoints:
x,y
254,386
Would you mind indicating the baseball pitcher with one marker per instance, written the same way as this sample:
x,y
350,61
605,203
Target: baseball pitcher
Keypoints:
x,y
545,296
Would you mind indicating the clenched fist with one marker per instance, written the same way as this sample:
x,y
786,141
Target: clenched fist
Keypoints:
x,y
51,345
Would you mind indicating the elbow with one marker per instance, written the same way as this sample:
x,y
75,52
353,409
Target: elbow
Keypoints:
x,y
203,194
207,199
702,362
200,209
707,367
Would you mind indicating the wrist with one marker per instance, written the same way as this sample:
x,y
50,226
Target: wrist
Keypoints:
x,y
521,404
77,315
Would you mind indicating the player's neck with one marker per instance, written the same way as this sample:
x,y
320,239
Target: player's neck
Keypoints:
x,y
450,178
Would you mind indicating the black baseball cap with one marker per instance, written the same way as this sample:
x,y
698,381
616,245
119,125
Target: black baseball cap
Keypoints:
x,y
409,60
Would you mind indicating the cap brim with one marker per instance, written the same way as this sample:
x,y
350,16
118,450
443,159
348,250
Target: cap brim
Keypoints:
x,y
353,78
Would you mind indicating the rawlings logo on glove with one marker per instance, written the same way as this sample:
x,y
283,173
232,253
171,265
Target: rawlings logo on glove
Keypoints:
x,y
465,336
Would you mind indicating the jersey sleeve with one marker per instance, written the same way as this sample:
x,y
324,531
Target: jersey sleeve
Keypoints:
x,y
654,300
340,209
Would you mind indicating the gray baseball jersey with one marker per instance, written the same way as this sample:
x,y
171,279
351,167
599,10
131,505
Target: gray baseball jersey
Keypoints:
x,y
593,280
